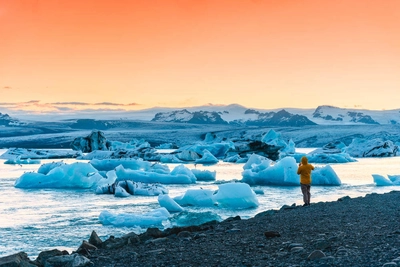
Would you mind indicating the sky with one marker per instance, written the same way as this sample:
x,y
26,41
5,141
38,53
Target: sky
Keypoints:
x,y
137,54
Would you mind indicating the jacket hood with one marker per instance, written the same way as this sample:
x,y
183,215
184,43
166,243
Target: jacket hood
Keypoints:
x,y
304,160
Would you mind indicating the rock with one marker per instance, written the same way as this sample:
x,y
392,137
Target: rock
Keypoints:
x,y
390,264
85,248
294,245
296,249
316,254
184,234
344,198
322,244
269,234
95,239
95,141
73,260
16,260
132,238
44,255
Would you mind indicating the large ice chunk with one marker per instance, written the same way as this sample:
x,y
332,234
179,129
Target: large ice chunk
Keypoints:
x,y
236,195
75,175
180,175
167,202
152,218
284,172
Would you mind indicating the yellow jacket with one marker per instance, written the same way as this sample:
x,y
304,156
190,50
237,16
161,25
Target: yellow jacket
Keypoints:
x,y
305,171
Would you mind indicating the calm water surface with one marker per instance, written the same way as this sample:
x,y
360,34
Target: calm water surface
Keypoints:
x,y
33,220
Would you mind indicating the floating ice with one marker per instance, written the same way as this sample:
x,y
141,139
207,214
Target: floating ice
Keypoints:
x,y
75,175
24,153
170,159
381,180
207,158
180,175
204,175
20,161
196,197
218,150
45,168
153,218
132,188
111,164
330,158
284,172
167,202
236,195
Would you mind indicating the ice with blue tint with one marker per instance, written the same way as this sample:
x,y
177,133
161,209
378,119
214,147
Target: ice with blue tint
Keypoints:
x,y
111,164
152,218
371,148
236,196
121,192
134,144
284,172
330,158
218,150
170,159
24,153
207,158
75,175
196,197
45,168
381,180
97,154
273,138
204,175
131,188
167,202
257,161
20,161
234,159
179,175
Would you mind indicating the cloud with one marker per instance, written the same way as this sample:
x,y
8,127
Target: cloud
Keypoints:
x,y
7,87
71,103
108,104
65,107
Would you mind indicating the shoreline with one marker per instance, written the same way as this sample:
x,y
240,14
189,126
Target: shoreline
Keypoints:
x,y
361,231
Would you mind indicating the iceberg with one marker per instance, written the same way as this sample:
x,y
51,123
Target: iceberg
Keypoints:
x,y
180,175
204,175
381,180
152,218
167,202
284,172
207,158
235,195
72,176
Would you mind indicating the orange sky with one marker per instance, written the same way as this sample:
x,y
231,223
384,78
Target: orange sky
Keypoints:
x,y
258,53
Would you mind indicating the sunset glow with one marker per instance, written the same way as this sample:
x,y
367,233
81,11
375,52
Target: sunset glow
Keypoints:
x,y
136,54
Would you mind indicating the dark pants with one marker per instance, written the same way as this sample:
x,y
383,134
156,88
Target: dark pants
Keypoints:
x,y
305,189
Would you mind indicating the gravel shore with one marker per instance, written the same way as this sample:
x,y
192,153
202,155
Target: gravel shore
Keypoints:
x,y
351,232
362,231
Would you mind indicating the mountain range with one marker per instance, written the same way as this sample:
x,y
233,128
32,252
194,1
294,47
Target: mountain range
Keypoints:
x,y
233,114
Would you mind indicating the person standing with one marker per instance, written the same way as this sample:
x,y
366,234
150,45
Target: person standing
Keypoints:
x,y
305,179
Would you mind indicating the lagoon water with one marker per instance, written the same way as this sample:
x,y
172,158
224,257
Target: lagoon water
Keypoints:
x,y
33,220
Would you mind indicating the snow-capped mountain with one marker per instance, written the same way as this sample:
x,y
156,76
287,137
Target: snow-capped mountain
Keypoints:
x,y
322,115
334,115
215,114
199,117
249,117
6,120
